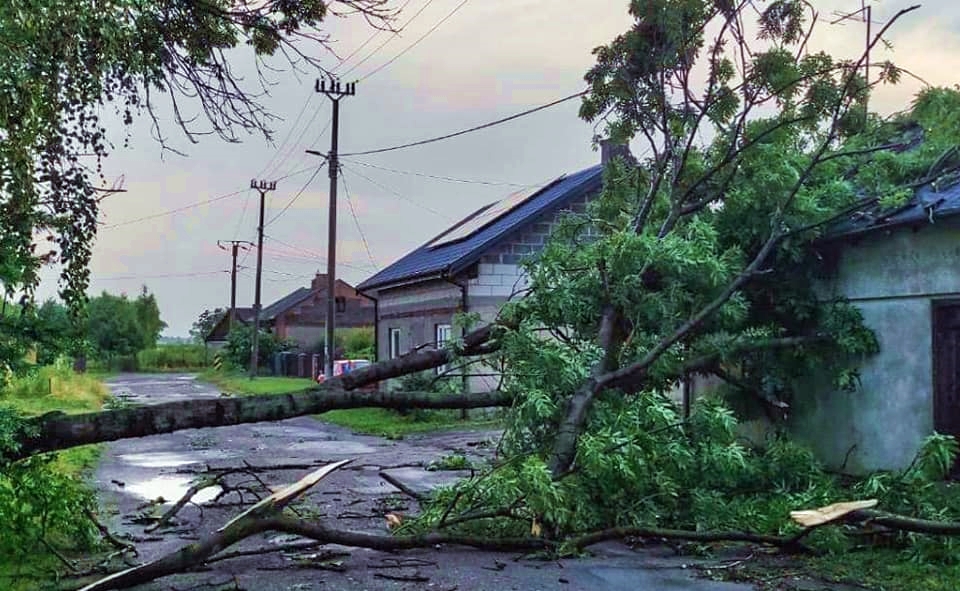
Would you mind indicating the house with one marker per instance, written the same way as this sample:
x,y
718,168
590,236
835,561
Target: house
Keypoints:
x,y
217,337
902,270
473,267
301,315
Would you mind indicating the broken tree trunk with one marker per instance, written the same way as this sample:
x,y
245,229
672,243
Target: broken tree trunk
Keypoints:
x,y
56,431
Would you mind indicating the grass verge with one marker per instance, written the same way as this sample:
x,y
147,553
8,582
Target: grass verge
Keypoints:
x,y
49,389
369,421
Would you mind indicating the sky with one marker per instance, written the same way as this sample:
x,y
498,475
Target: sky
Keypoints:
x,y
490,59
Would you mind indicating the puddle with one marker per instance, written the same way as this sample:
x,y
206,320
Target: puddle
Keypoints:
x,y
345,448
173,459
171,488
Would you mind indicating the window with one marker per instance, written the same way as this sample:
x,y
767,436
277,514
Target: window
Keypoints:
x,y
394,343
341,304
441,338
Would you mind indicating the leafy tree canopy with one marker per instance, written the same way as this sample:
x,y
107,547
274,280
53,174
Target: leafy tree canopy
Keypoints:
x,y
120,326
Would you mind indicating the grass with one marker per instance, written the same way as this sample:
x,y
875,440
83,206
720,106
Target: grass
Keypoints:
x,y
368,421
886,569
51,389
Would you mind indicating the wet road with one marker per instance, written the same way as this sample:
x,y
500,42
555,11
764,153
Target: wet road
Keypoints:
x,y
135,472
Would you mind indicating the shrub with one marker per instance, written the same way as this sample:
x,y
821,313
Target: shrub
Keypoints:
x,y
166,357
240,343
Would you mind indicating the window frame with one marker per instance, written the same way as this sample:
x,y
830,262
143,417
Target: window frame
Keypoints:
x,y
393,342
440,343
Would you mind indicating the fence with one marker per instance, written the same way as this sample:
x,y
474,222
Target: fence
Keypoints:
x,y
298,365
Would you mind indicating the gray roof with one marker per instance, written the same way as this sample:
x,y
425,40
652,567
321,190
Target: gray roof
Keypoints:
x,y
283,304
928,204
452,257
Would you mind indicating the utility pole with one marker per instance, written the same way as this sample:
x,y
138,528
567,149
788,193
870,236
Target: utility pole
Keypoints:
x,y
236,246
262,187
335,91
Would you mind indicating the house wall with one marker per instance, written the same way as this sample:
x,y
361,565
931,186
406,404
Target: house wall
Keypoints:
x,y
417,308
306,322
893,279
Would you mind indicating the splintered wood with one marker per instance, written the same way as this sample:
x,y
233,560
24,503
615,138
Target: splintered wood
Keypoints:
x,y
815,517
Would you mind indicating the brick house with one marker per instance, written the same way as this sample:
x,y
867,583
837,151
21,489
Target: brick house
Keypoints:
x,y
301,315
473,267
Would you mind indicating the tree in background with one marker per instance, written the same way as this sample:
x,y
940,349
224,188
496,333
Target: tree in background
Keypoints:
x,y
148,318
205,323
120,327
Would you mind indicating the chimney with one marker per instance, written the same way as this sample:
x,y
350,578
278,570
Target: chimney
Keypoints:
x,y
319,282
610,149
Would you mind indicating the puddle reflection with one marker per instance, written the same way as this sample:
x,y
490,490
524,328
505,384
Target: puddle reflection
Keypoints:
x,y
171,488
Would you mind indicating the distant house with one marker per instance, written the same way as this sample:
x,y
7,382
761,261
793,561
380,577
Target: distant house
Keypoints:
x,y
473,266
301,315
217,337
902,270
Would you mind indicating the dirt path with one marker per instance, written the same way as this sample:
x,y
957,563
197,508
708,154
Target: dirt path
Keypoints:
x,y
135,471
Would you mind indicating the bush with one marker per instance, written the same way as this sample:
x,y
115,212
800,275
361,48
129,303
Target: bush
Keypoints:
x,y
43,498
357,343
166,357
240,343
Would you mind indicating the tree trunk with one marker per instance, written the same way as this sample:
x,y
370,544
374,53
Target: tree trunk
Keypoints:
x,y
54,431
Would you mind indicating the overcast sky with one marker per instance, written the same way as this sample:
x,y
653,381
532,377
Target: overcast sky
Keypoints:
x,y
492,58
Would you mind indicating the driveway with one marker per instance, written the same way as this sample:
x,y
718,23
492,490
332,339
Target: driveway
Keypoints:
x,y
135,472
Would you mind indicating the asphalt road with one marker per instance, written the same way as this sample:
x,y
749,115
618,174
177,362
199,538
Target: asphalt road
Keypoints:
x,y
135,472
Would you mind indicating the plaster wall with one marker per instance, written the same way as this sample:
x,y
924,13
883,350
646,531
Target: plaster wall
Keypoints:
x,y
893,278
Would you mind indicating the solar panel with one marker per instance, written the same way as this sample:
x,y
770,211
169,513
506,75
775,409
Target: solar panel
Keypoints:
x,y
486,217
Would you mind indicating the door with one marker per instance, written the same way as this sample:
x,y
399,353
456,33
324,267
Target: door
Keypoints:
x,y
946,370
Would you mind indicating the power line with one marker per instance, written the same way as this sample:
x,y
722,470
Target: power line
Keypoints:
x,y
295,197
388,40
369,39
161,276
394,192
356,220
417,42
308,252
286,138
471,130
442,178
173,211
197,204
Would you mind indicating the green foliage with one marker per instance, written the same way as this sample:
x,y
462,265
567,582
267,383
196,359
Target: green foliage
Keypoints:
x,y
640,464
43,498
240,345
451,462
173,357
120,327
357,343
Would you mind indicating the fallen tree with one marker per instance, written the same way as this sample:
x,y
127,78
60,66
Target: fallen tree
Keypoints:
x,y
54,431
268,515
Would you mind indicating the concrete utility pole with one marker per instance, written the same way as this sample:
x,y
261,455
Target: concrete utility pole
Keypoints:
x,y
236,246
262,187
335,91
